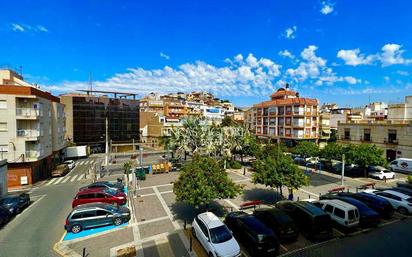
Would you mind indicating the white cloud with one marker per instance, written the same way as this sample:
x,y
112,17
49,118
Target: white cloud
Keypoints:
x,y
354,57
351,80
402,73
286,53
17,27
164,56
390,54
26,28
327,7
290,33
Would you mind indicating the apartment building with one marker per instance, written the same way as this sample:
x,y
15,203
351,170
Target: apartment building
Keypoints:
x,y
86,118
287,117
393,135
153,127
250,120
32,127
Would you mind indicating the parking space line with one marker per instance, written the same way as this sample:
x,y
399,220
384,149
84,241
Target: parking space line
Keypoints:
x,y
166,208
284,248
231,204
340,233
152,220
66,178
73,178
308,192
166,192
51,181
58,180
80,177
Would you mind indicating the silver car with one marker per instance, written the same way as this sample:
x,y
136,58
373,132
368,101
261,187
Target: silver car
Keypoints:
x,y
95,215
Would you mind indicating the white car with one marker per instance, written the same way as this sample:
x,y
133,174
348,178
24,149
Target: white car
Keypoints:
x,y
380,173
214,236
399,201
70,163
341,212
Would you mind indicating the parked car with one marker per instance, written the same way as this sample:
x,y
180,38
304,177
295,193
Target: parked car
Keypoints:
x,y
368,217
99,195
105,184
258,239
378,204
380,172
214,236
5,216
60,170
399,201
15,203
404,185
403,190
281,223
70,163
94,215
341,212
312,221
402,165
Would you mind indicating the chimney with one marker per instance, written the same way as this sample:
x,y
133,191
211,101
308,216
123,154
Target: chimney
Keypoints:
x,y
287,85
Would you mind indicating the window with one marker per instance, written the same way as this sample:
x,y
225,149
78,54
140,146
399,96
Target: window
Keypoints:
x,y
351,214
366,135
3,126
76,216
339,213
102,213
202,227
392,136
329,208
99,195
347,133
85,196
88,214
3,104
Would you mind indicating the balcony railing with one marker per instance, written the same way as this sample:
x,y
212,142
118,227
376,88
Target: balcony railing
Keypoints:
x,y
390,141
28,133
28,112
32,154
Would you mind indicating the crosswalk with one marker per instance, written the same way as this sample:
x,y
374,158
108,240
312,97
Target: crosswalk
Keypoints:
x,y
65,179
85,162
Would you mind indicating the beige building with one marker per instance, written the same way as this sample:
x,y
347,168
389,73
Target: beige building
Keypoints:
x,y
394,135
31,132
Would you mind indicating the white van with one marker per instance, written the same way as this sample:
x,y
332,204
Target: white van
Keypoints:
x,y
341,212
402,165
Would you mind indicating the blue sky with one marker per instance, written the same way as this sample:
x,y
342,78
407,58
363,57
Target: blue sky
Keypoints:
x,y
348,52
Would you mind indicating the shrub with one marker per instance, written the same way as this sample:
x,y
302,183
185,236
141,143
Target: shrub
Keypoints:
x,y
409,179
234,165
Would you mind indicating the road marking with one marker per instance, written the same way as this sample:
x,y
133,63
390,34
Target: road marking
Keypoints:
x,y
80,177
152,220
51,181
308,192
284,248
73,178
166,208
58,180
80,163
66,179
231,204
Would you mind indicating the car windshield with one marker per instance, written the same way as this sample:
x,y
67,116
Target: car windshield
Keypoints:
x,y
9,200
220,234
387,171
110,191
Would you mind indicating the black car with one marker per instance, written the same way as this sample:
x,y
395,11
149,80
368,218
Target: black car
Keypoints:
x,y
5,215
277,220
312,221
376,203
105,184
258,239
15,203
368,217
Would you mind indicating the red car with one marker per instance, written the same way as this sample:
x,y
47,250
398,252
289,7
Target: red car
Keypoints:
x,y
101,195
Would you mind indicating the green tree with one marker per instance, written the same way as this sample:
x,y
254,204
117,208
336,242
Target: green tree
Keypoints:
x,y
364,155
332,151
278,171
333,136
306,149
203,180
228,122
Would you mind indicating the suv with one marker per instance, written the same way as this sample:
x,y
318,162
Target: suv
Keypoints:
x,y
380,173
15,203
94,215
312,220
214,236
341,212
70,163
99,195
277,220
378,204
399,201
254,235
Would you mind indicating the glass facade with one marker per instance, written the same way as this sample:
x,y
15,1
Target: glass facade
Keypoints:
x,y
89,119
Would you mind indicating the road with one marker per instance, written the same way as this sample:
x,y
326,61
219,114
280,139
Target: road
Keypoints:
x,y
35,231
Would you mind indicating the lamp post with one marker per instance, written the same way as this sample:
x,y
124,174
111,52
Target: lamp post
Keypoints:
x,y
343,169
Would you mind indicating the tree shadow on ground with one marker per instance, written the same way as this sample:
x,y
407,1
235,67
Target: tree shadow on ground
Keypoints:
x,y
266,195
183,211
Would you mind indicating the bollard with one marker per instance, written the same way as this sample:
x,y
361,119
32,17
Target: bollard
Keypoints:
x,y
190,244
84,252
298,198
184,224
309,196
357,190
348,190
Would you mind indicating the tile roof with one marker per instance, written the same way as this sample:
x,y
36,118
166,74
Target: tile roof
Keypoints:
x,y
288,101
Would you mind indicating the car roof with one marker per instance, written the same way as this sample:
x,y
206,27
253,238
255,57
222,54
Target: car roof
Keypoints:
x,y
309,208
401,195
91,205
254,224
210,219
368,191
338,203
90,190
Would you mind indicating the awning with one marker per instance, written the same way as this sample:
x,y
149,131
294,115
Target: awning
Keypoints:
x,y
326,131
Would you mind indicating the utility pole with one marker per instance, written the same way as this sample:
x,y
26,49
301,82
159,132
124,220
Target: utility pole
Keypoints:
x,y
343,169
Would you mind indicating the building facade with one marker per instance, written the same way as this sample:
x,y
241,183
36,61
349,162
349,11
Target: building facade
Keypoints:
x,y
32,127
287,117
86,119
393,135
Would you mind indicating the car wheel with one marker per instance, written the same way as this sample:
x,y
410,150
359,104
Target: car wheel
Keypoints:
x,y
76,229
402,210
118,221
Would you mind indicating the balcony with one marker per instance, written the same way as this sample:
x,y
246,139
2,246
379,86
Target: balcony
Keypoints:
x,y
32,155
390,141
28,113
29,134
298,124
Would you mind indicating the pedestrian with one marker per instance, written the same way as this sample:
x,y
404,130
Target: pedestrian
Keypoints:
x,y
384,179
